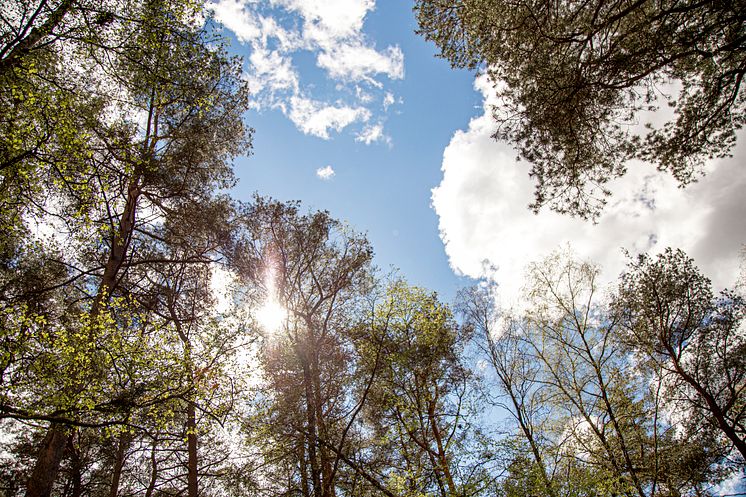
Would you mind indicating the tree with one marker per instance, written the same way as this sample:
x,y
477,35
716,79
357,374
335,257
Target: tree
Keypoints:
x,y
317,270
422,409
148,158
587,420
696,340
517,381
574,78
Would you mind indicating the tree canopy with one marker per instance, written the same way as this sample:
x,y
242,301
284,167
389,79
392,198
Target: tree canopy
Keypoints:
x,y
161,338
574,81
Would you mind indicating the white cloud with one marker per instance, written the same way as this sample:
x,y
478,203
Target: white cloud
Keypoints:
x,y
371,134
388,100
356,62
325,20
332,31
233,15
316,118
325,173
482,205
362,95
272,71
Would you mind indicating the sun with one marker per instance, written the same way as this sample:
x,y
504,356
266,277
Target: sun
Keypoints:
x,y
271,315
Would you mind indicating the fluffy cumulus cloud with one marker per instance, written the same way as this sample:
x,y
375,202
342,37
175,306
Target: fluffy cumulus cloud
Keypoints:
x,y
489,231
328,20
277,31
325,173
273,72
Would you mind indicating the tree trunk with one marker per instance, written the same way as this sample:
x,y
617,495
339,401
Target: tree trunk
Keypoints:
x,y
192,450
442,458
327,488
50,457
303,469
715,410
153,470
122,445
311,419
48,462
76,466
119,245
10,58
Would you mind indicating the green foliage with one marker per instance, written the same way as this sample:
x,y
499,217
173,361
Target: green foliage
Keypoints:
x,y
594,409
119,123
573,79
419,399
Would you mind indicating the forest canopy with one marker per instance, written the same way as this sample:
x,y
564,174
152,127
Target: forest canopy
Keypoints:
x,y
159,337
577,83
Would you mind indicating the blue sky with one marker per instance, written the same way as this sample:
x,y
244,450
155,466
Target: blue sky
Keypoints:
x,y
354,114
382,188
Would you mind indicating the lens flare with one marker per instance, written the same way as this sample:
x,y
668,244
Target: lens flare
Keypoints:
x,y
271,315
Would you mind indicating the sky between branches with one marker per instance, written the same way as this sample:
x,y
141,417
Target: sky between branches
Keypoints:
x,y
356,115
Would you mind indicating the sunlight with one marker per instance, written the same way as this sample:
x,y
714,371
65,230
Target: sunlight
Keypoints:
x,y
271,314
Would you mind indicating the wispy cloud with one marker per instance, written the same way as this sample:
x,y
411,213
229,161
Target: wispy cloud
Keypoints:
x,y
332,30
371,134
316,118
325,173
388,100
356,62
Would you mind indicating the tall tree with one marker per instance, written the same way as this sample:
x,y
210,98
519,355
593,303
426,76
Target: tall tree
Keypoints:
x,y
516,377
587,420
419,403
154,153
315,269
696,340
574,78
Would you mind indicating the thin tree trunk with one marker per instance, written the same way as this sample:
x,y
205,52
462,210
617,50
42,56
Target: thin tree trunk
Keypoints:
x,y
153,470
311,419
712,405
192,450
191,422
120,244
76,465
303,468
122,445
442,459
327,488
47,467
47,462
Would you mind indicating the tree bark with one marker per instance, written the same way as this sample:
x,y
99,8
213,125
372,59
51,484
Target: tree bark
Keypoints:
x,y
327,487
119,245
712,404
311,433
122,444
153,470
442,458
192,450
303,469
25,45
47,462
